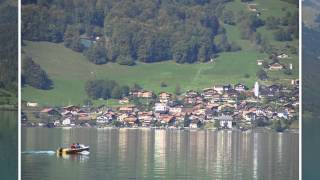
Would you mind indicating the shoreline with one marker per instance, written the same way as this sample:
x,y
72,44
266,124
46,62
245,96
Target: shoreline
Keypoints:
x,y
9,107
260,129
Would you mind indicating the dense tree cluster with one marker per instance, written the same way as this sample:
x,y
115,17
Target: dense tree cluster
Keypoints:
x,y
248,25
262,75
149,31
286,27
96,54
105,89
8,47
34,75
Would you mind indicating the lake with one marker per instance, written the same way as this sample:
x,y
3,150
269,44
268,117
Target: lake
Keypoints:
x,y
9,145
160,154
310,148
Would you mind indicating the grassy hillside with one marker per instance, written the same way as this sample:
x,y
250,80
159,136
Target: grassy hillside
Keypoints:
x,y
70,70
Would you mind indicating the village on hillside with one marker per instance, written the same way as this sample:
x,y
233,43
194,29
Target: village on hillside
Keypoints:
x,y
218,107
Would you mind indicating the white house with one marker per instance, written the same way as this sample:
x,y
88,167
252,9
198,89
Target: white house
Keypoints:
x,y
66,122
160,107
282,56
32,104
56,123
102,119
225,121
219,89
259,62
193,125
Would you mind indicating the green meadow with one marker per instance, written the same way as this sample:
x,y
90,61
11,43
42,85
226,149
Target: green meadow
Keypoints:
x,y
70,70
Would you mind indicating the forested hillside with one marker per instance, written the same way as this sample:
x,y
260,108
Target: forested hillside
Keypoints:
x,y
311,66
311,58
190,44
123,31
8,51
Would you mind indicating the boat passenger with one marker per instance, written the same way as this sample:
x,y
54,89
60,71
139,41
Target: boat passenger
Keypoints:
x,y
73,146
78,146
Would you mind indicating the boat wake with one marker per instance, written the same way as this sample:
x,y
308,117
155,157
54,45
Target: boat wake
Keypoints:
x,y
39,152
84,153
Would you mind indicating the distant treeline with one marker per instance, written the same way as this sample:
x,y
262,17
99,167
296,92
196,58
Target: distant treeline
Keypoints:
x,y
8,47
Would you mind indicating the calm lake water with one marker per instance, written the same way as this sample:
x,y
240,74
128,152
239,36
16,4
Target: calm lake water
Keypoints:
x,y
160,154
310,149
8,145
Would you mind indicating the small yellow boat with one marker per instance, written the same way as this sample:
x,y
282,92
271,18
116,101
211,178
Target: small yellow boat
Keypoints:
x,y
77,150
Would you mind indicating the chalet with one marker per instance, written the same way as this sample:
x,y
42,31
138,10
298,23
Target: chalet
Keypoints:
x,y
233,94
66,122
240,87
283,56
275,66
191,94
131,120
127,109
252,7
194,123
226,121
295,82
190,100
200,112
199,100
57,123
216,97
121,117
32,104
145,118
164,97
160,108
105,118
227,87
165,119
124,100
259,62
84,117
218,88
50,113
175,110
282,115
225,97
208,93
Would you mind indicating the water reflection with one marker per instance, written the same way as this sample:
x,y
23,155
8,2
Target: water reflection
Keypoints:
x,y
171,154
8,144
74,157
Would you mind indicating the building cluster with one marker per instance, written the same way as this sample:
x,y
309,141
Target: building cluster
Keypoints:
x,y
220,106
